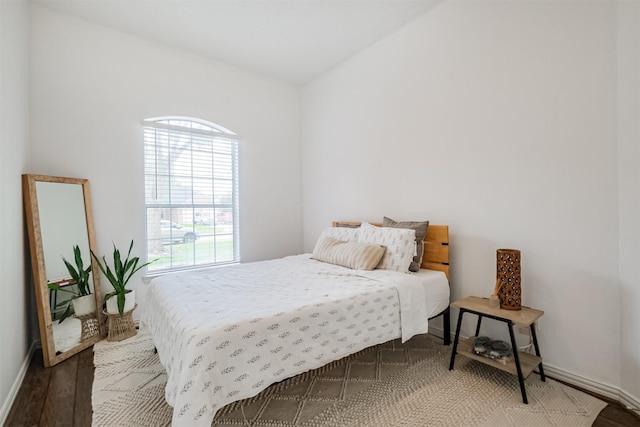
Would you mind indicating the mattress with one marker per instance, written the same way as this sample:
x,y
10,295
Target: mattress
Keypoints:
x,y
225,334
436,291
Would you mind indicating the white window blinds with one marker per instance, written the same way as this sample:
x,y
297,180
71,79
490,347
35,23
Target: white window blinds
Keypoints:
x,y
191,193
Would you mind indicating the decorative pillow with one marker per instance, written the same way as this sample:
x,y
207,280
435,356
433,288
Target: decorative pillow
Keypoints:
x,y
346,234
421,231
356,255
400,244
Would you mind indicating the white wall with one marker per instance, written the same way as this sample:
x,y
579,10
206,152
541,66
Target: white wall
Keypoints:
x,y
90,89
629,193
497,118
17,301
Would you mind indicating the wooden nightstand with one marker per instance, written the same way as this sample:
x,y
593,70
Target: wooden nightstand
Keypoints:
x,y
523,363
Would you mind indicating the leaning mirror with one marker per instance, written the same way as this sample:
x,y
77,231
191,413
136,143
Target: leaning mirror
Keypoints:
x,y
68,296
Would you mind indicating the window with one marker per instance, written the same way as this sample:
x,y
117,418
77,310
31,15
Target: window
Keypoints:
x,y
191,193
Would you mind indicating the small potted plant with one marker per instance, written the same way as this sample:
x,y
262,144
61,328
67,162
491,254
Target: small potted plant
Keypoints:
x,y
119,277
82,300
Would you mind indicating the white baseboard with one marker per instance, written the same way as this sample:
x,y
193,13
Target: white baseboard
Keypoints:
x,y
605,390
630,402
13,392
579,381
438,332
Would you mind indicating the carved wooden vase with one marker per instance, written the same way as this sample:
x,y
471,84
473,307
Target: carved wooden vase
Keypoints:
x,y
508,274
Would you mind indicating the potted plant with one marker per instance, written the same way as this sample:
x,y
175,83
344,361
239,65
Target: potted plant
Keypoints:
x,y
82,300
119,277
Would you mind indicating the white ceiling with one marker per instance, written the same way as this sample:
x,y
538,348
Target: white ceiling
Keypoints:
x,y
292,40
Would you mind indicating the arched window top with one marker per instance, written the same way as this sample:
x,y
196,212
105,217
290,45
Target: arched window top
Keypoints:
x,y
188,123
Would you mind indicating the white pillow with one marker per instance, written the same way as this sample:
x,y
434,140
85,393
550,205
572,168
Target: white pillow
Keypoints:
x,y
346,234
355,255
400,244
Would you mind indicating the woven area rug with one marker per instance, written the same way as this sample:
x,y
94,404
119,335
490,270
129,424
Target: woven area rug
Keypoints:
x,y
387,385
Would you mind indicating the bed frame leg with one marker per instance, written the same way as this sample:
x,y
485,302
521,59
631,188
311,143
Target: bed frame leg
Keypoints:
x,y
446,319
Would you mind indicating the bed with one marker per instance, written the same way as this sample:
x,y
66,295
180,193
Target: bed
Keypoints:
x,y
225,334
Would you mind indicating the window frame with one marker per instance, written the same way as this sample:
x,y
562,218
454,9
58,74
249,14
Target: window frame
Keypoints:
x,y
199,131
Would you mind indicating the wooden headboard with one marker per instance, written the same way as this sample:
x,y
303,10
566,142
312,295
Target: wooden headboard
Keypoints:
x,y
436,245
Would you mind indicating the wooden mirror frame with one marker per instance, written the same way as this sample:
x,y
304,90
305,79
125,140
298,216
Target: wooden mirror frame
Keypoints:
x,y
50,356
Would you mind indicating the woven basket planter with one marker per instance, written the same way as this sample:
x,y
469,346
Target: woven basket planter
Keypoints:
x,y
121,326
90,326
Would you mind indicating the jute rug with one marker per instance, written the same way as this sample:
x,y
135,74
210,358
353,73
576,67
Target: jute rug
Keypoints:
x,y
388,385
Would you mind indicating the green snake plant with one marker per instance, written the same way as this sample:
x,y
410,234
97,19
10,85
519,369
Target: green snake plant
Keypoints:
x,y
80,277
120,274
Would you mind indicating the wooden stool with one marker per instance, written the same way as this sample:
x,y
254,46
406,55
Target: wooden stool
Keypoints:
x,y
121,326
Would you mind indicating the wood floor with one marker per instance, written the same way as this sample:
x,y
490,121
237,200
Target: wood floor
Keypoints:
x,y
61,396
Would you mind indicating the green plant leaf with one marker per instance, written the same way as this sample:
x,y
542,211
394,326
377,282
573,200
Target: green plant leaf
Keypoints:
x,y
78,257
121,301
66,313
122,272
58,288
78,273
62,303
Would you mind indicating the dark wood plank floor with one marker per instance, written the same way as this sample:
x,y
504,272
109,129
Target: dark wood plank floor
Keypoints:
x,y
61,396
58,396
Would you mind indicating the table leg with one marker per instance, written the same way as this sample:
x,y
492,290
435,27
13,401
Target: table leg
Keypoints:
x,y
516,358
455,340
478,325
53,297
537,349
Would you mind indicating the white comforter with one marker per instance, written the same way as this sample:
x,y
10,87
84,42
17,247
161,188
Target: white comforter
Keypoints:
x,y
226,334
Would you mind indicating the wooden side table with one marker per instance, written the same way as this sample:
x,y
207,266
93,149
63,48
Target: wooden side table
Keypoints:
x,y
523,363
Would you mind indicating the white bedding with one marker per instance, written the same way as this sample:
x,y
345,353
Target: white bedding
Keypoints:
x,y
226,334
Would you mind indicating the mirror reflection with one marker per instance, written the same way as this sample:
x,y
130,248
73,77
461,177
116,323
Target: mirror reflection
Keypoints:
x,y
63,227
60,236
